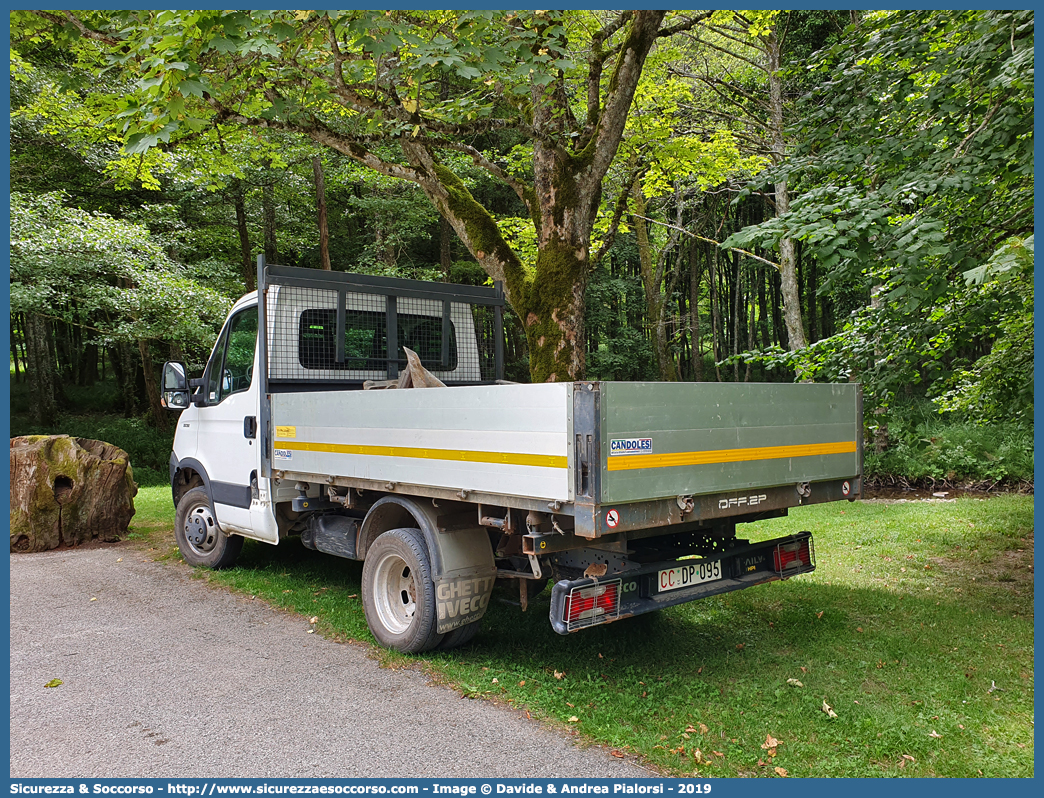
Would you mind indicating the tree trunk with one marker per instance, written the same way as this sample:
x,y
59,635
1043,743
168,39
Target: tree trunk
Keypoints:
x,y
14,353
712,281
737,296
445,259
694,315
762,308
40,370
320,210
160,414
563,202
268,206
652,279
67,491
814,327
245,250
787,258
89,365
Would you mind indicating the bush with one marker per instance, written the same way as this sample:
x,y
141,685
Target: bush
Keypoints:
x,y
927,446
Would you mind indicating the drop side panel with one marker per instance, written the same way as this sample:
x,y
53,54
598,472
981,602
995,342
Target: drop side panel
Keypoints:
x,y
663,440
503,439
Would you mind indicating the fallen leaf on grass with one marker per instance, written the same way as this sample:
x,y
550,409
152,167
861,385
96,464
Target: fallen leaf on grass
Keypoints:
x,y
781,772
739,646
54,683
559,674
819,614
794,683
703,729
859,628
496,680
686,736
934,734
314,619
574,719
617,754
522,683
718,753
697,757
829,710
770,742
354,595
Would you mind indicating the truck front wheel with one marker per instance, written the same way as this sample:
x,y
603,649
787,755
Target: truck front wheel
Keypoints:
x,y
199,537
398,593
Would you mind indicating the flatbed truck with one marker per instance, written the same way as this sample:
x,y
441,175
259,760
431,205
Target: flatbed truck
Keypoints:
x,y
627,496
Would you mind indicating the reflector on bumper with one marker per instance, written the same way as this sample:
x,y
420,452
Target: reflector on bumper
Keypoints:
x,y
791,556
587,606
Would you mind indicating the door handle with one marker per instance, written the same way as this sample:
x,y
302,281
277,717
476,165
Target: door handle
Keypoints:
x,y
250,427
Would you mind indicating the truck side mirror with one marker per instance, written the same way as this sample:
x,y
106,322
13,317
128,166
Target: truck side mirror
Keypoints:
x,y
175,386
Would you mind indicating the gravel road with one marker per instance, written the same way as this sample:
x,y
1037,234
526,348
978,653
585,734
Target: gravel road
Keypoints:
x,y
165,676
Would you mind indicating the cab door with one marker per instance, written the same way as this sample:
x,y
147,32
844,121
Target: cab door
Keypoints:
x,y
228,443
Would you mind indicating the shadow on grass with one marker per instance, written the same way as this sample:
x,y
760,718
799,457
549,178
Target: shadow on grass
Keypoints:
x,y
897,668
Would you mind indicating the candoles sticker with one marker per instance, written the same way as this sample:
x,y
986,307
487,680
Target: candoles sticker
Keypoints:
x,y
630,446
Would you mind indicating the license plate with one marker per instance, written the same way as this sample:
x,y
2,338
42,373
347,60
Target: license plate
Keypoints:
x,y
688,575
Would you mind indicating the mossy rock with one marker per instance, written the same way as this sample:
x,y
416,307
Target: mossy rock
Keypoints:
x,y
68,491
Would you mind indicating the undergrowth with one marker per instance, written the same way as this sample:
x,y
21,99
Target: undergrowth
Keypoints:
x,y
926,447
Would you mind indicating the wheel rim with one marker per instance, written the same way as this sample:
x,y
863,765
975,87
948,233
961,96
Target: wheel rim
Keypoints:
x,y
201,530
394,593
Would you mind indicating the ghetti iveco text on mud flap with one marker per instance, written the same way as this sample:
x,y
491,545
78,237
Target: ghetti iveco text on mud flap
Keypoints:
x,y
626,497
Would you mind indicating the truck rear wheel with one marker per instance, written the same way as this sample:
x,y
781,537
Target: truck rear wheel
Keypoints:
x,y
199,537
398,593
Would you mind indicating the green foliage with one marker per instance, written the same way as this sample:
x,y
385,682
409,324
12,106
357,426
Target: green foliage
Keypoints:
x,y
917,139
924,446
106,275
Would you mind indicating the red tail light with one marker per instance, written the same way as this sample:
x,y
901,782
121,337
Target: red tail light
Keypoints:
x,y
587,606
790,556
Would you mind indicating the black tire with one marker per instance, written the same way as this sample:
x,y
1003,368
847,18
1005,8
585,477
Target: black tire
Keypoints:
x,y
398,592
199,537
459,636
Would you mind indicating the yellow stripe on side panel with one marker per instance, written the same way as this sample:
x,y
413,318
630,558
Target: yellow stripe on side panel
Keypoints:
x,y
633,462
506,458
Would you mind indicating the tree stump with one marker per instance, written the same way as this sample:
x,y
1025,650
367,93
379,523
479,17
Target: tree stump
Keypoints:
x,y
68,491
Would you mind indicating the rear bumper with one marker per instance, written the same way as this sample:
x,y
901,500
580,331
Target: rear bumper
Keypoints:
x,y
639,590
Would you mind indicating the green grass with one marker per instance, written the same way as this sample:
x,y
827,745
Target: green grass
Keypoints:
x,y
916,609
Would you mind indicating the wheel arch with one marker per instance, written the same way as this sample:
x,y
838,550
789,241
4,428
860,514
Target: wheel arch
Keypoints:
x,y
395,512
188,474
